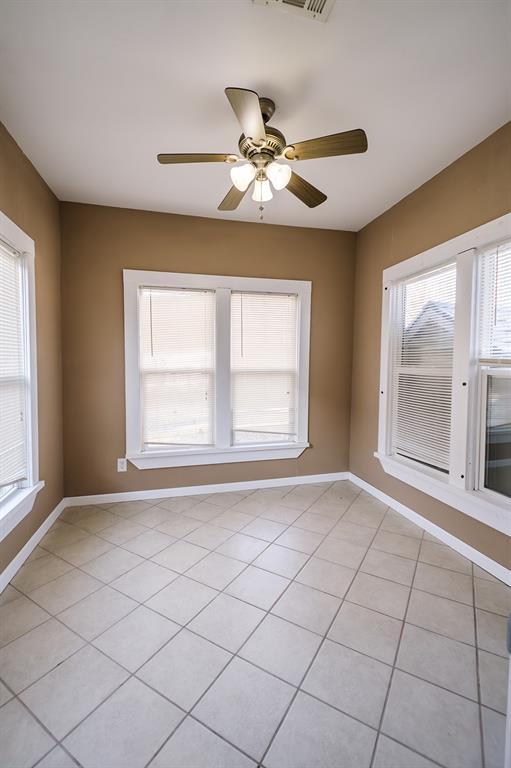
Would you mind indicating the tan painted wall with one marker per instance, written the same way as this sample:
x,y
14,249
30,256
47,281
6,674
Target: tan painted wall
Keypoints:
x,y
99,242
25,198
473,190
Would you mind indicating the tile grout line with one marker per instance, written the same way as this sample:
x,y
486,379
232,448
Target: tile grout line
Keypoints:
x,y
478,678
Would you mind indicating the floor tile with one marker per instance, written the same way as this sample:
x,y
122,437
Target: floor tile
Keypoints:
x,y
92,615
184,668
313,735
9,594
208,536
494,737
356,534
129,508
480,573
97,520
232,520
364,682
57,758
491,596
493,676
328,577
148,543
18,617
64,591
39,572
452,736
491,632
387,566
127,729
180,556
178,527
112,564
216,570
122,531
72,690
379,594
203,512
366,631
302,541
194,746
439,660
342,552
279,514
73,514
152,517
364,515
444,583
281,648
33,655
242,547
281,560
84,551
180,503
390,754
315,523
307,607
440,615
143,581
258,587
226,500
61,536
24,742
5,694
395,544
245,706
267,530
227,622
393,522
444,557
182,599
135,638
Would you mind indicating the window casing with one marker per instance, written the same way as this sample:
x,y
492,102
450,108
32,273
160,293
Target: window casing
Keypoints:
x,y
445,381
216,368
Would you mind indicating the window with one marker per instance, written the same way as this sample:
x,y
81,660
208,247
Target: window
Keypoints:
x,y
19,482
216,368
445,387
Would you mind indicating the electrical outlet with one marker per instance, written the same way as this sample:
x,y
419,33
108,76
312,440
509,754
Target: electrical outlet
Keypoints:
x,y
122,465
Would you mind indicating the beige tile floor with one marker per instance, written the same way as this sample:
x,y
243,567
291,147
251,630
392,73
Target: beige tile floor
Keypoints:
x,y
300,627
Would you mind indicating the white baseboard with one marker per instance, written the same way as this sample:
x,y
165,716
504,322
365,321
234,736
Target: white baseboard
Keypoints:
x,y
489,565
9,573
192,490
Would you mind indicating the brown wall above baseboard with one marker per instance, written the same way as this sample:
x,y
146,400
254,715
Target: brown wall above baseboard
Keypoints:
x,y
99,242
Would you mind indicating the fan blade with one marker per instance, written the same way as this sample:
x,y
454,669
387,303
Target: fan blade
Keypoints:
x,y
232,199
247,109
305,191
196,158
347,143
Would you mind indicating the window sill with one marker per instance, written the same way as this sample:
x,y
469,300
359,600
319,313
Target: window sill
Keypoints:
x,y
472,503
194,457
16,507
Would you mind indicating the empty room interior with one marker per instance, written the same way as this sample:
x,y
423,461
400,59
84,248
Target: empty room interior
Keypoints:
x,y
255,383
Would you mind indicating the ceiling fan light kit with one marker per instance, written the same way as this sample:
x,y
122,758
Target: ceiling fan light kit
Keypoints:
x,y
261,146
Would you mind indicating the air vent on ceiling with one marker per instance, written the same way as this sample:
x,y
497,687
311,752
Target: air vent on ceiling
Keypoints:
x,y
310,9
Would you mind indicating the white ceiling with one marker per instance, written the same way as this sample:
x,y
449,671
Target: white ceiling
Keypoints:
x,y
93,90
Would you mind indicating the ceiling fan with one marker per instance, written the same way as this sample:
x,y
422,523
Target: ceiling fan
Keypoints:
x,y
261,147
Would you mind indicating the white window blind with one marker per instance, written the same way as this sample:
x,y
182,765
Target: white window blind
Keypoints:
x,y
177,360
13,374
264,367
422,357
495,304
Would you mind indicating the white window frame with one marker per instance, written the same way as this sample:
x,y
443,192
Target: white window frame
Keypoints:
x,y
462,487
223,451
18,503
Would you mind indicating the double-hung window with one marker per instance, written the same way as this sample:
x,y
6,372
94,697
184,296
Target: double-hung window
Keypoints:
x,y
216,368
445,384
19,482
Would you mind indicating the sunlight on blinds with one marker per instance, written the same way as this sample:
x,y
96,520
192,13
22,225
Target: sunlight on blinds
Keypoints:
x,y
13,377
422,343
177,359
264,363
495,304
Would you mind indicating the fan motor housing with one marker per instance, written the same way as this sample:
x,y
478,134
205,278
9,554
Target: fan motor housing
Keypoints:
x,y
274,145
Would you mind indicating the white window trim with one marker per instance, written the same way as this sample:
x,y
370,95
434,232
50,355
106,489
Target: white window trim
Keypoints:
x,y
460,489
222,452
19,503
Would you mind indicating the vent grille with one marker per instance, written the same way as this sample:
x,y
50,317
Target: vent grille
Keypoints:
x,y
310,9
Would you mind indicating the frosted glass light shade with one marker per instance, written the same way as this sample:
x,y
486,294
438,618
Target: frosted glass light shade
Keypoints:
x,y
278,174
262,191
242,175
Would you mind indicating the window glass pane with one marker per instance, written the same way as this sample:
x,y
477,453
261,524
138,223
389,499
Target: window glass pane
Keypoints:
x,y
497,467
495,303
422,335
264,359
177,358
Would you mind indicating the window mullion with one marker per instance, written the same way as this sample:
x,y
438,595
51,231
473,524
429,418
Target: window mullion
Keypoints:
x,y
223,369
463,372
